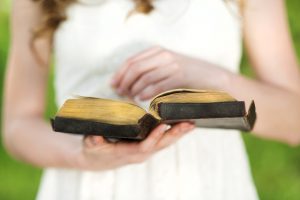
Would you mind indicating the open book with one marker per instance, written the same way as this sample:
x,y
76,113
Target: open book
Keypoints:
x,y
124,120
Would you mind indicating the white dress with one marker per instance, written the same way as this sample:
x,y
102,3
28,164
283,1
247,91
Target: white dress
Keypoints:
x,y
207,164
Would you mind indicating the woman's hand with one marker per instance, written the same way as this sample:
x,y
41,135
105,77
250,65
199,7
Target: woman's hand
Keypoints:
x,y
98,154
156,70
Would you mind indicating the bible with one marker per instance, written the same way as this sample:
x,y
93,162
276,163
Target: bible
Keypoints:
x,y
124,120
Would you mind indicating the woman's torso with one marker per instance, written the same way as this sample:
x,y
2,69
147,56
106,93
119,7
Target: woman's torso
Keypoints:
x,y
97,38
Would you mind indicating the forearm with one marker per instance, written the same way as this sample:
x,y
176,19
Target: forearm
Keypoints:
x,y
278,109
32,140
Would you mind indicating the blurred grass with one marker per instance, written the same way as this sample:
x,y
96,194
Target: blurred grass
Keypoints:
x,y
275,166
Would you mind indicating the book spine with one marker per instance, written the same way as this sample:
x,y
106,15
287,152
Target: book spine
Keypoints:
x,y
85,127
170,111
147,123
251,117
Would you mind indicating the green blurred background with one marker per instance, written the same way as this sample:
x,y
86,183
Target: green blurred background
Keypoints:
x,y
275,166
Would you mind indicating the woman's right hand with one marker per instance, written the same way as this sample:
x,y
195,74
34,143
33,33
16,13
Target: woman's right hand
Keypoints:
x,y
98,154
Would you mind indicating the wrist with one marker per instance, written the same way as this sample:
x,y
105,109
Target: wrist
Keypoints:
x,y
223,80
209,76
73,156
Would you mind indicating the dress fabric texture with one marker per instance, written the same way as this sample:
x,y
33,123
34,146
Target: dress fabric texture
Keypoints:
x,y
207,164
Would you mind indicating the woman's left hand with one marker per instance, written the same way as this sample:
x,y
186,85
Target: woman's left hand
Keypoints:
x,y
156,70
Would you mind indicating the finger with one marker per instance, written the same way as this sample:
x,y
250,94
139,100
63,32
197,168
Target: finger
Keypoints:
x,y
146,53
91,141
125,150
133,73
115,81
149,143
155,89
174,134
149,78
140,56
138,69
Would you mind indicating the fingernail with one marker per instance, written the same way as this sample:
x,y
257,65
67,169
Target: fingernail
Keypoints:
x,y
164,128
94,141
167,127
192,122
141,97
188,127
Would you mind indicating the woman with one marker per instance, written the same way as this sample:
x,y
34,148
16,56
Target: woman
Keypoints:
x,y
136,49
